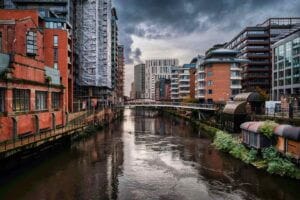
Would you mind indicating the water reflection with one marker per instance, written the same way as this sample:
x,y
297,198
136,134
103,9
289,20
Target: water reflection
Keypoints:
x,y
145,156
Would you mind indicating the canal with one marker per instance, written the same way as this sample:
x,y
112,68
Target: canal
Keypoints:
x,y
144,156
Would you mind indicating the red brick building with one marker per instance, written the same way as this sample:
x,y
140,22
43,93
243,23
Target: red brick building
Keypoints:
x,y
35,87
219,76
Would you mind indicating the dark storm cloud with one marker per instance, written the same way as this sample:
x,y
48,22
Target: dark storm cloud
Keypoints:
x,y
158,19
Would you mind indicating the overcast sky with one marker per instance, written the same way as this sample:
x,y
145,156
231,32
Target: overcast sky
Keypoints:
x,y
185,28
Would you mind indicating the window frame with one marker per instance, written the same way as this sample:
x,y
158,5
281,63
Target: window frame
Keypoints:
x,y
56,100
2,99
39,104
31,41
21,100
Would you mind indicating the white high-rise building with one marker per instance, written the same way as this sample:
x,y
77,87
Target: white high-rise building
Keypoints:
x,y
156,69
93,35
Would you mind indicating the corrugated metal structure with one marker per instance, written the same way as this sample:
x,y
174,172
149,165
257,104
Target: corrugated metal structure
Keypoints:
x,y
93,35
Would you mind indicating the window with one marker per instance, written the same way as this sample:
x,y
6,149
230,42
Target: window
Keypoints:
x,y
21,100
31,46
55,40
210,91
41,100
55,100
55,66
209,83
2,99
55,54
209,74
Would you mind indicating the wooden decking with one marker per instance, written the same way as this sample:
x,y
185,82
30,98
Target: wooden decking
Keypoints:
x,y
11,146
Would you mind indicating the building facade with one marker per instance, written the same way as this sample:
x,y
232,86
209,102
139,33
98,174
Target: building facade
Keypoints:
x,y
218,77
163,90
114,53
174,84
155,70
34,91
120,74
286,66
255,42
93,47
139,81
186,81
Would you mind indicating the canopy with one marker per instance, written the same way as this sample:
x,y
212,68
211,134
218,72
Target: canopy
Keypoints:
x,y
250,97
235,107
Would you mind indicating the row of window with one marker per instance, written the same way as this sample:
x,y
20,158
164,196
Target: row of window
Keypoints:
x,y
21,100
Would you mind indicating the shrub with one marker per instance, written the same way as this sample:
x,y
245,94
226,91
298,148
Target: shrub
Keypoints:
x,y
224,141
267,128
277,164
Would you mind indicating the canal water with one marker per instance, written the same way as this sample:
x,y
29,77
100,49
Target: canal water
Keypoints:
x,y
144,156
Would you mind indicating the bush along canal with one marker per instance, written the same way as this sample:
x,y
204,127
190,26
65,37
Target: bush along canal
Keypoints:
x,y
265,157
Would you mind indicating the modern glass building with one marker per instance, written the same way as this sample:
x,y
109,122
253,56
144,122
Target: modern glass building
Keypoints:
x,y
286,66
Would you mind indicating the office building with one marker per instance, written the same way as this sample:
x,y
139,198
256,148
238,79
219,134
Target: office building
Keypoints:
x,y
139,81
254,43
163,90
286,66
120,74
155,70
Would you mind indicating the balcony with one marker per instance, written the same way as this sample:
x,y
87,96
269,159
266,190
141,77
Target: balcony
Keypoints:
x,y
236,87
236,78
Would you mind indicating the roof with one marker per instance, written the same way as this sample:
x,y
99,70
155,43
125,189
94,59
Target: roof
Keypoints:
x,y
222,51
251,126
235,107
289,132
279,129
250,97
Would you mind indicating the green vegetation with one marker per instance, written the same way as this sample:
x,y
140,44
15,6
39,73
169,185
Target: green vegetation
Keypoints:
x,y
271,160
278,165
227,143
267,128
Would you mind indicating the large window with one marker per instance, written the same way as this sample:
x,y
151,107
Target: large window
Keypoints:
x,y
2,99
21,100
41,100
55,100
31,46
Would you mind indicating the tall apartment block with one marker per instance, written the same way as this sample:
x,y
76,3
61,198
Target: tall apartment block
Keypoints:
x,y
114,53
34,84
120,74
155,70
218,76
286,66
255,42
139,81
93,47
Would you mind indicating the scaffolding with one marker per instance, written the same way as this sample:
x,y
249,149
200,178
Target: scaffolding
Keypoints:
x,y
93,42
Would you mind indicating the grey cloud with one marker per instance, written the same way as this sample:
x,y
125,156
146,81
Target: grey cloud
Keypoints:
x,y
159,19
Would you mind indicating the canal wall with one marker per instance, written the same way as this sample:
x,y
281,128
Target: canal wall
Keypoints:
x,y
13,152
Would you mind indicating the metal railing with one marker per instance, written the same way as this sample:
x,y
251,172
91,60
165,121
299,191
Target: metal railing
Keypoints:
x,y
283,112
171,104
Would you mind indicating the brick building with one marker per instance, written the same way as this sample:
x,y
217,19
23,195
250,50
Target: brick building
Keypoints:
x,y
34,84
219,76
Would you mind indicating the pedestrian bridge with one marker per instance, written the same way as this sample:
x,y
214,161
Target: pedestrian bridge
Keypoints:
x,y
159,104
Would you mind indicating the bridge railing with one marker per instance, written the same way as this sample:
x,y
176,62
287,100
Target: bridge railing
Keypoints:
x,y
174,104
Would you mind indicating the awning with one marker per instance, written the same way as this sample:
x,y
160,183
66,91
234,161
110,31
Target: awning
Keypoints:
x,y
235,107
249,97
280,129
251,126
